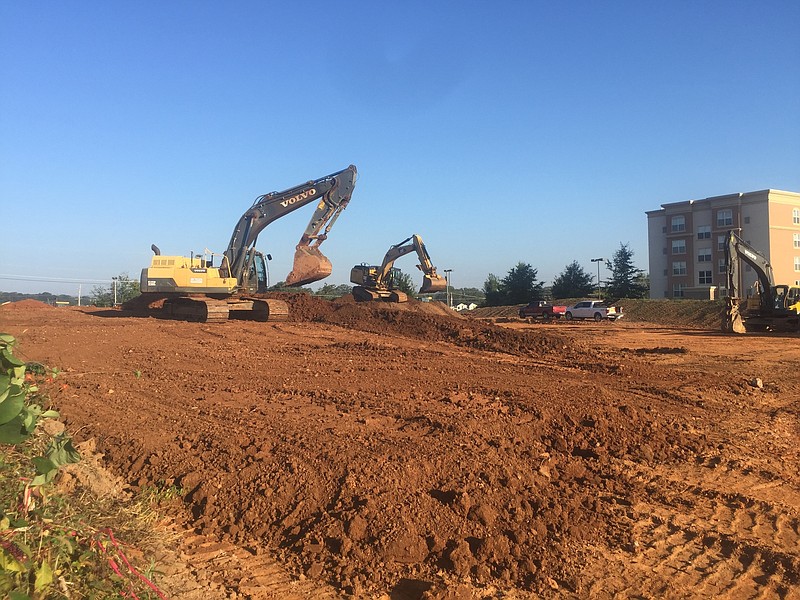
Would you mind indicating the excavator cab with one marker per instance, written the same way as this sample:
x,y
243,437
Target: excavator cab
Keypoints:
x,y
255,282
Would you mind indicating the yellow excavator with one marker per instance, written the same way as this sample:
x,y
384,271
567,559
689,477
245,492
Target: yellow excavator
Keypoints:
x,y
378,283
771,308
196,290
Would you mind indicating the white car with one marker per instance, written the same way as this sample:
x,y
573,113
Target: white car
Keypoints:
x,y
593,309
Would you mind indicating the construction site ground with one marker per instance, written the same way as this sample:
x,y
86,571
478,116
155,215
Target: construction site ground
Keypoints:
x,y
409,452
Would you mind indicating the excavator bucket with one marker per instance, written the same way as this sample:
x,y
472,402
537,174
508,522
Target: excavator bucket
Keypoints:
x,y
433,283
732,321
310,265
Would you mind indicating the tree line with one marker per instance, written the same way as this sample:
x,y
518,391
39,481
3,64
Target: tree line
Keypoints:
x,y
521,284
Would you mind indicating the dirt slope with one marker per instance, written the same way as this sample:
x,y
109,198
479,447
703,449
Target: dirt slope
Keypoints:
x,y
701,314
408,452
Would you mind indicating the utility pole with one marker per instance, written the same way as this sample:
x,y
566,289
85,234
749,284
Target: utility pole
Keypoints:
x,y
114,279
447,282
598,261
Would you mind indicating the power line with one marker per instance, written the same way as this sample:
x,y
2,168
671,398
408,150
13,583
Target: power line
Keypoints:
x,y
52,279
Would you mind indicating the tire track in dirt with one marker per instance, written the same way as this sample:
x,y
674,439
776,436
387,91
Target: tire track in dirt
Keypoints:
x,y
208,569
722,532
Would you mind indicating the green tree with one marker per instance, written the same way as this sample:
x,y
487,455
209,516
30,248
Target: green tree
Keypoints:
x,y
122,289
282,287
520,285
627,281
573,282
492,293
331,291
403,282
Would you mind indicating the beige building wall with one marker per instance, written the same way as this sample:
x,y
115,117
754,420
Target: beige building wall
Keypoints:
x,y
686,254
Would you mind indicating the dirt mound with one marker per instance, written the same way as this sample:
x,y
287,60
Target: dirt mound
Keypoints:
x,y
143,302
27,305
429,321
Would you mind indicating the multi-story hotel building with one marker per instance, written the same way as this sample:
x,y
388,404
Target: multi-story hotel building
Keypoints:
x,y
686,241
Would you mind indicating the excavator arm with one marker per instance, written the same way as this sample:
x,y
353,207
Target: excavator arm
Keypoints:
x,y
332,192
432,282
736,248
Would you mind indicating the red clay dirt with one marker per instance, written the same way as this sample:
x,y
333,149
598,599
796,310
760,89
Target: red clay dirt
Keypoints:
x,y
407,452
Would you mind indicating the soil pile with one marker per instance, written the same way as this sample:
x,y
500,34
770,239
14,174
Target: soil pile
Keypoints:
x,y
27,306
429,321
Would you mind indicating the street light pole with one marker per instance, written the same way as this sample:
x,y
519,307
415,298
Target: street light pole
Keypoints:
x,y
598,261
447,285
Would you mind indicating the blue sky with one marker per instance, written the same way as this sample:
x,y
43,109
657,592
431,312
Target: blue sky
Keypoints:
x,y
500,131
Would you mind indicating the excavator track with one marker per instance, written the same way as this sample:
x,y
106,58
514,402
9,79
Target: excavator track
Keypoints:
x,y
259,309
210,310
203,310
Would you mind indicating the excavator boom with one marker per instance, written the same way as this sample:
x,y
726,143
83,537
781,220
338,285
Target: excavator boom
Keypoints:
x,y
332,192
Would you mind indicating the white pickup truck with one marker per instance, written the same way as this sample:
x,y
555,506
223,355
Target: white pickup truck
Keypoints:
x,y
593,309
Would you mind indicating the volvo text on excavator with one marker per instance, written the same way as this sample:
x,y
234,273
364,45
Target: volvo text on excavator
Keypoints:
x,y
771,308
194,289
377,282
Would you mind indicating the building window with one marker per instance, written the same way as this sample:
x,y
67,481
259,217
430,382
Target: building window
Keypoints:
x,y
704,255
721,239
704,232
679,267
724,217
666,272
797,263
704,277
796,216
664,229
722,267
678,224
677,290
796,240
679,246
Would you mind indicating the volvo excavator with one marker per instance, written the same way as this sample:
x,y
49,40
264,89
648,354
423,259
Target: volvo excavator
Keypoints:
x,y
771,308
377,282
196,290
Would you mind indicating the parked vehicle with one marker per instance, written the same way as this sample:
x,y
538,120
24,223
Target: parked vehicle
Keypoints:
x,y
593,309
539,309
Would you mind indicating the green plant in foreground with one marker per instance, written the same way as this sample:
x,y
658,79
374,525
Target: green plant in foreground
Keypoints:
x,y
55,545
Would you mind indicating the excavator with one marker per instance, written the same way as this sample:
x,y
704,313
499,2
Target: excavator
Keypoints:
x,y
377,282
771,308
194,289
